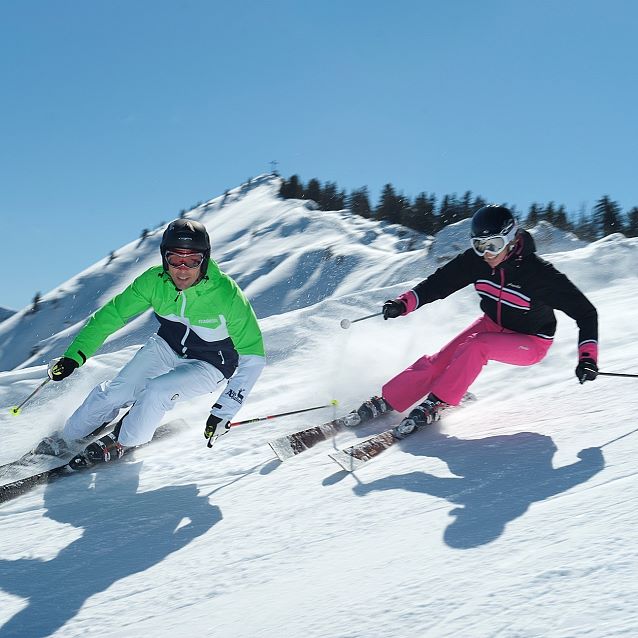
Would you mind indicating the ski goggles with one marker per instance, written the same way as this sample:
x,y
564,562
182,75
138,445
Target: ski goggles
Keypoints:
x,y
190,260
494,244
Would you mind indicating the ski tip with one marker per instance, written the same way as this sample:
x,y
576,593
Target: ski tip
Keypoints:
x,y
281,447
345,461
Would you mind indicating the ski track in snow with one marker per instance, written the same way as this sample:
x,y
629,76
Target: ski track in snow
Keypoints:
x,y
488,525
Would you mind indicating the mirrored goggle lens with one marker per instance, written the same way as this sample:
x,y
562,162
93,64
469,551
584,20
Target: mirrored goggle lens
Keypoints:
x,y
190,260
493,245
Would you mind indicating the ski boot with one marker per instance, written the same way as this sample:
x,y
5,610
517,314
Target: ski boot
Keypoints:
x,y
53,445
106,449
371,409
424,414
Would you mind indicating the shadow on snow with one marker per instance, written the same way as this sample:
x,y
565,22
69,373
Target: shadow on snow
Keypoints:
x,y
124,533
495,480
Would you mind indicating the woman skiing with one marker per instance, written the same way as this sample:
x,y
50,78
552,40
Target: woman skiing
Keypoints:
x,y
208,335
519,292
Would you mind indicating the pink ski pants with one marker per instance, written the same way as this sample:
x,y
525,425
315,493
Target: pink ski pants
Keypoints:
x,y
450,372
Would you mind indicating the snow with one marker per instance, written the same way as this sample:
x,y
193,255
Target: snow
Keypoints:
x,y
514,517
5,313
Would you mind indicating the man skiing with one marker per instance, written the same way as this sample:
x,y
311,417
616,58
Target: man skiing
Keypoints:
x,y
208,335
519,292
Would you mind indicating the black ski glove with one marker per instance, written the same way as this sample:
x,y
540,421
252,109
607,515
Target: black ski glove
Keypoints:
x,y
61,368
216,425
586,370
393,308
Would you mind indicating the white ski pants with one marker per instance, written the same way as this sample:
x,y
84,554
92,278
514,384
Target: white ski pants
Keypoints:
x,y
154,380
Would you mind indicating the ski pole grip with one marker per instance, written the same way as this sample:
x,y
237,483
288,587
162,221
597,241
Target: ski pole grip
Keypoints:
x,y
346,323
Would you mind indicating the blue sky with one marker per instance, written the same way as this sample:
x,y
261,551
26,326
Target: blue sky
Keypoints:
x,y
115,115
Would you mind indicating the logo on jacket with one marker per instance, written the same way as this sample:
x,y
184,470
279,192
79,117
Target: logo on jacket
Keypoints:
x,y
236,396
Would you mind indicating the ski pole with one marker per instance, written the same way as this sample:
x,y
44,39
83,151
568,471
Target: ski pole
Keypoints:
x,y
274,416
16,409
346,323
214,437
622,436
618,374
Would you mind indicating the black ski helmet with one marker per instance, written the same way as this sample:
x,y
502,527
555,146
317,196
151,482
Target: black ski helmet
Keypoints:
x,y
493,220
186,234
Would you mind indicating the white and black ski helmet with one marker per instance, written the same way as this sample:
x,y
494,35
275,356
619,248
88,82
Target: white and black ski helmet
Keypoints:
x,y
186,234
492,220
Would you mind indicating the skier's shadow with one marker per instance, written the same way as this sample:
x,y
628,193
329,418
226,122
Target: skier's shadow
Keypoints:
x,y
124,532
495,480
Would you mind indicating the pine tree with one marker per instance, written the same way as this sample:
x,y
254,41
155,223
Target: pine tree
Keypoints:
x,y
313,191
454,210
291,189
631,229
421,215
560,219
585,227
466,208
405,211
331,198
607,216
36,302
359,202
340,200
533,216
389,207
445,211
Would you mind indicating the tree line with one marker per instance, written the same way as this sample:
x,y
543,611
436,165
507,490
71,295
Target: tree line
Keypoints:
x,y
426,214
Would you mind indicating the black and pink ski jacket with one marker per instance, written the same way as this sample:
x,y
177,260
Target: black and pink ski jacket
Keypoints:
x,y
520,294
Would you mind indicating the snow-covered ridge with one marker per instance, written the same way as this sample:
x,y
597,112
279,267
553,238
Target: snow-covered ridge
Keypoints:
x,y
285,254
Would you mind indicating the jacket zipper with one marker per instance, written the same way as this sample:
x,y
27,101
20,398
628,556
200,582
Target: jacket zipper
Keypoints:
x,y
182,315
500,295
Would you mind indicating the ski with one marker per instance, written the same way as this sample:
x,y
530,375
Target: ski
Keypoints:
x,y
285,447
65,466
16,488
30,461
289,445
33,461
355,456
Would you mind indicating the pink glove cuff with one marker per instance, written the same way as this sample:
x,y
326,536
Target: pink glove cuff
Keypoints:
x,y
410,300
588,350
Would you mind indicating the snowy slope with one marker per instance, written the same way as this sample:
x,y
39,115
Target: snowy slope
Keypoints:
x,y
5,313
283,253
515,517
